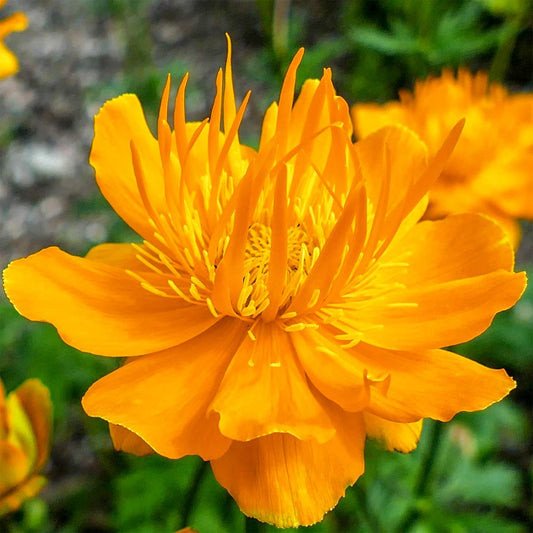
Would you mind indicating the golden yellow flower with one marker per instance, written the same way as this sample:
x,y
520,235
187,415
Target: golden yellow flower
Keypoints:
x,y
490,170
284,303
8,61
25,421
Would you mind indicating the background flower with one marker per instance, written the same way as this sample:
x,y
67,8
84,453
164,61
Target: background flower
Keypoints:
x,y
490,169
8,60
25,422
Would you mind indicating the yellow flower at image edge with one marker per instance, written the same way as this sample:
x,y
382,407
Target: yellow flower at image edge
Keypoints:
x,y
284,303
25,422
8,60
490,170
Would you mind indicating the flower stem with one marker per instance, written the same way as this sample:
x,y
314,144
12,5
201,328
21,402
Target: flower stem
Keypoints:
x,y
425,470
190,499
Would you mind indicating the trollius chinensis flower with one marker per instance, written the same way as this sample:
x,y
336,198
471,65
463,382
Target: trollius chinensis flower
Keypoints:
x,y
285,302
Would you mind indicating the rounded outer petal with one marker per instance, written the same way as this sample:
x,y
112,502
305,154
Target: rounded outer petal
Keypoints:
x,y
456,275
163,398
458,247
99,308
431,384
265,391
126,441
120,122
393,436
34,398
447,314
403,386
289,482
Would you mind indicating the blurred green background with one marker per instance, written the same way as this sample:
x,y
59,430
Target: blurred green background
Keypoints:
x,y
472,475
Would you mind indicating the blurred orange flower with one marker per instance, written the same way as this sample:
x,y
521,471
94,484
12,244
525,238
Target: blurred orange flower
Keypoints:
x,y
490,170
25,421
284,302
8,61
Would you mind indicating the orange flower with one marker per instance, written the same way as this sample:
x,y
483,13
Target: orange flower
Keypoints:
x,y
25,420
284,302
490,169
8,61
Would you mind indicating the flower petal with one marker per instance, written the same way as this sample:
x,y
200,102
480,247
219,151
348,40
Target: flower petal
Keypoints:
x,y
8,61
430,384
99,308
122,255
453,198
289,482
119,122
401,386
442,315
266,391
405,164
371,117
126,441
34,398
13,500
331,369
15,465
163,398
453,276
394,436
511,195
458,247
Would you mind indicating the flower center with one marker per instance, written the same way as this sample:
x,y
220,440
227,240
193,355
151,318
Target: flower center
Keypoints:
x,y
300,248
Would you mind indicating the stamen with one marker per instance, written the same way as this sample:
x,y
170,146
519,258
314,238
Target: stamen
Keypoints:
x,y
193,289
147,263
211,307
198,283
153,289
177,290
314,298
290,314
300,326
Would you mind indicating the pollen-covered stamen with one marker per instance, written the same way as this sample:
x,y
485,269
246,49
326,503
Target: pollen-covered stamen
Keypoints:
x,y
254,295
165,276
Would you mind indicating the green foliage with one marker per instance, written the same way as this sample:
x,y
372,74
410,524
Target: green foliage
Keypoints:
x,y
396,41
